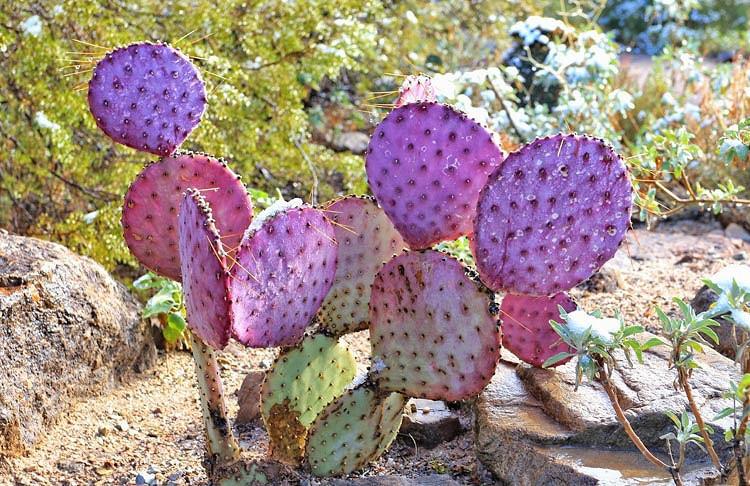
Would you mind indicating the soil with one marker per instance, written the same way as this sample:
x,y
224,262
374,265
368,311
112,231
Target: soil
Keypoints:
x,y
152,423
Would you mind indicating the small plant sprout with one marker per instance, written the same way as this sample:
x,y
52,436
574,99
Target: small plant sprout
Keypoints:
x,y
594,340
165,304
686,337
685,432
737,435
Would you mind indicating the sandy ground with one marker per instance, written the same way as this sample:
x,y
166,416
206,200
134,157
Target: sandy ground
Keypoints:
x,y
152,424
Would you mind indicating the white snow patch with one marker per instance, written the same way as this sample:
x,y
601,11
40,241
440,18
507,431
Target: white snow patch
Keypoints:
x,y
32,26
723,279
40,118
579,321
277,207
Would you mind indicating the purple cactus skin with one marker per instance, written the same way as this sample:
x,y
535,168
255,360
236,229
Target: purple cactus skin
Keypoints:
x,y
526,329
283,272
367,239
551,215
205,281
147,96
149,216
426,164
432,330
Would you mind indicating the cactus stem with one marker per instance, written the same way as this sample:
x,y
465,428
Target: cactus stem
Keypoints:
x,y
221,445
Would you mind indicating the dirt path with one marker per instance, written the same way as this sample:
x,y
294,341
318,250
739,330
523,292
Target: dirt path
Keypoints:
x,y
152,424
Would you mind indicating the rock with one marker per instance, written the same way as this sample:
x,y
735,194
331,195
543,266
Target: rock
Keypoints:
x,y
737,232
429,422
145,478
393,480
606,279
248,397
354,142
533,428
738,215
68,330
728,335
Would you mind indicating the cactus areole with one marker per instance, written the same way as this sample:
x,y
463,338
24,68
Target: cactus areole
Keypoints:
x,y
551,215
426,164
147,96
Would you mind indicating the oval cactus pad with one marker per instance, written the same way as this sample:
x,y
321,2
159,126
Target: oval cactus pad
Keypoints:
x,y
367,239
426,164
302,381
147,96
433,335
285,267
205,272
415,89
354,430
149,216
551,215
526,329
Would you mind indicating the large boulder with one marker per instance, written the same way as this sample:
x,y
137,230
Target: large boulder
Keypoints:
x,y
67,331
534,428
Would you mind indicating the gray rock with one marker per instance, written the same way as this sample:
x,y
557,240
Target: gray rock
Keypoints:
x,y
248,397
354,142
429,422
533,428
737,214
728,334
606,279
68,330
737,232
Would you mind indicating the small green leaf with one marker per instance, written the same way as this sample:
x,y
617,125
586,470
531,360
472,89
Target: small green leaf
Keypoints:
x,y
174,328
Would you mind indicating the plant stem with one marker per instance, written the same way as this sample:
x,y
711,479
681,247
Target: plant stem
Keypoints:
x,y
612,394
221,446
739,437
682,374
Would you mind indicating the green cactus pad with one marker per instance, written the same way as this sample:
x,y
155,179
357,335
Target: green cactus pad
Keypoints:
x,y
367,239
354,430
302,381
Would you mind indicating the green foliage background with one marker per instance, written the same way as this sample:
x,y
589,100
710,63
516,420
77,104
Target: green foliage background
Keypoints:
x,y
261,60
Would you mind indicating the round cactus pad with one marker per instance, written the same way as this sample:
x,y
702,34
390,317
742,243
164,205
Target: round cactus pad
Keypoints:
x,y
354,430
366,240
415,89
302,381
426,164
205,272
526,329
551,215
147,96
285,267
433,335
149,216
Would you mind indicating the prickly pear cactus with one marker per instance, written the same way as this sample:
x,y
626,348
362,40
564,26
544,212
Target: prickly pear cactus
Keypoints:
x,y
152,203
432,328
367,239
284,268
426,164
354,430
416,89
302,381
526,329
147,96
204,269
551,215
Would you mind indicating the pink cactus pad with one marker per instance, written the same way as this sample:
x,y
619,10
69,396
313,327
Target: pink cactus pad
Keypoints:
x,y
366,239
526,329
147,96
551,215
285,267
204,269
432,331
416,89
426,164
149,216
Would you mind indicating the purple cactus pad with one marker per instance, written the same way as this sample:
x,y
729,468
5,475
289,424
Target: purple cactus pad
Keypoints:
x,y
204,270
149,216
426,164
367,239
147,96
526,329
283,272
551,215
432,331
